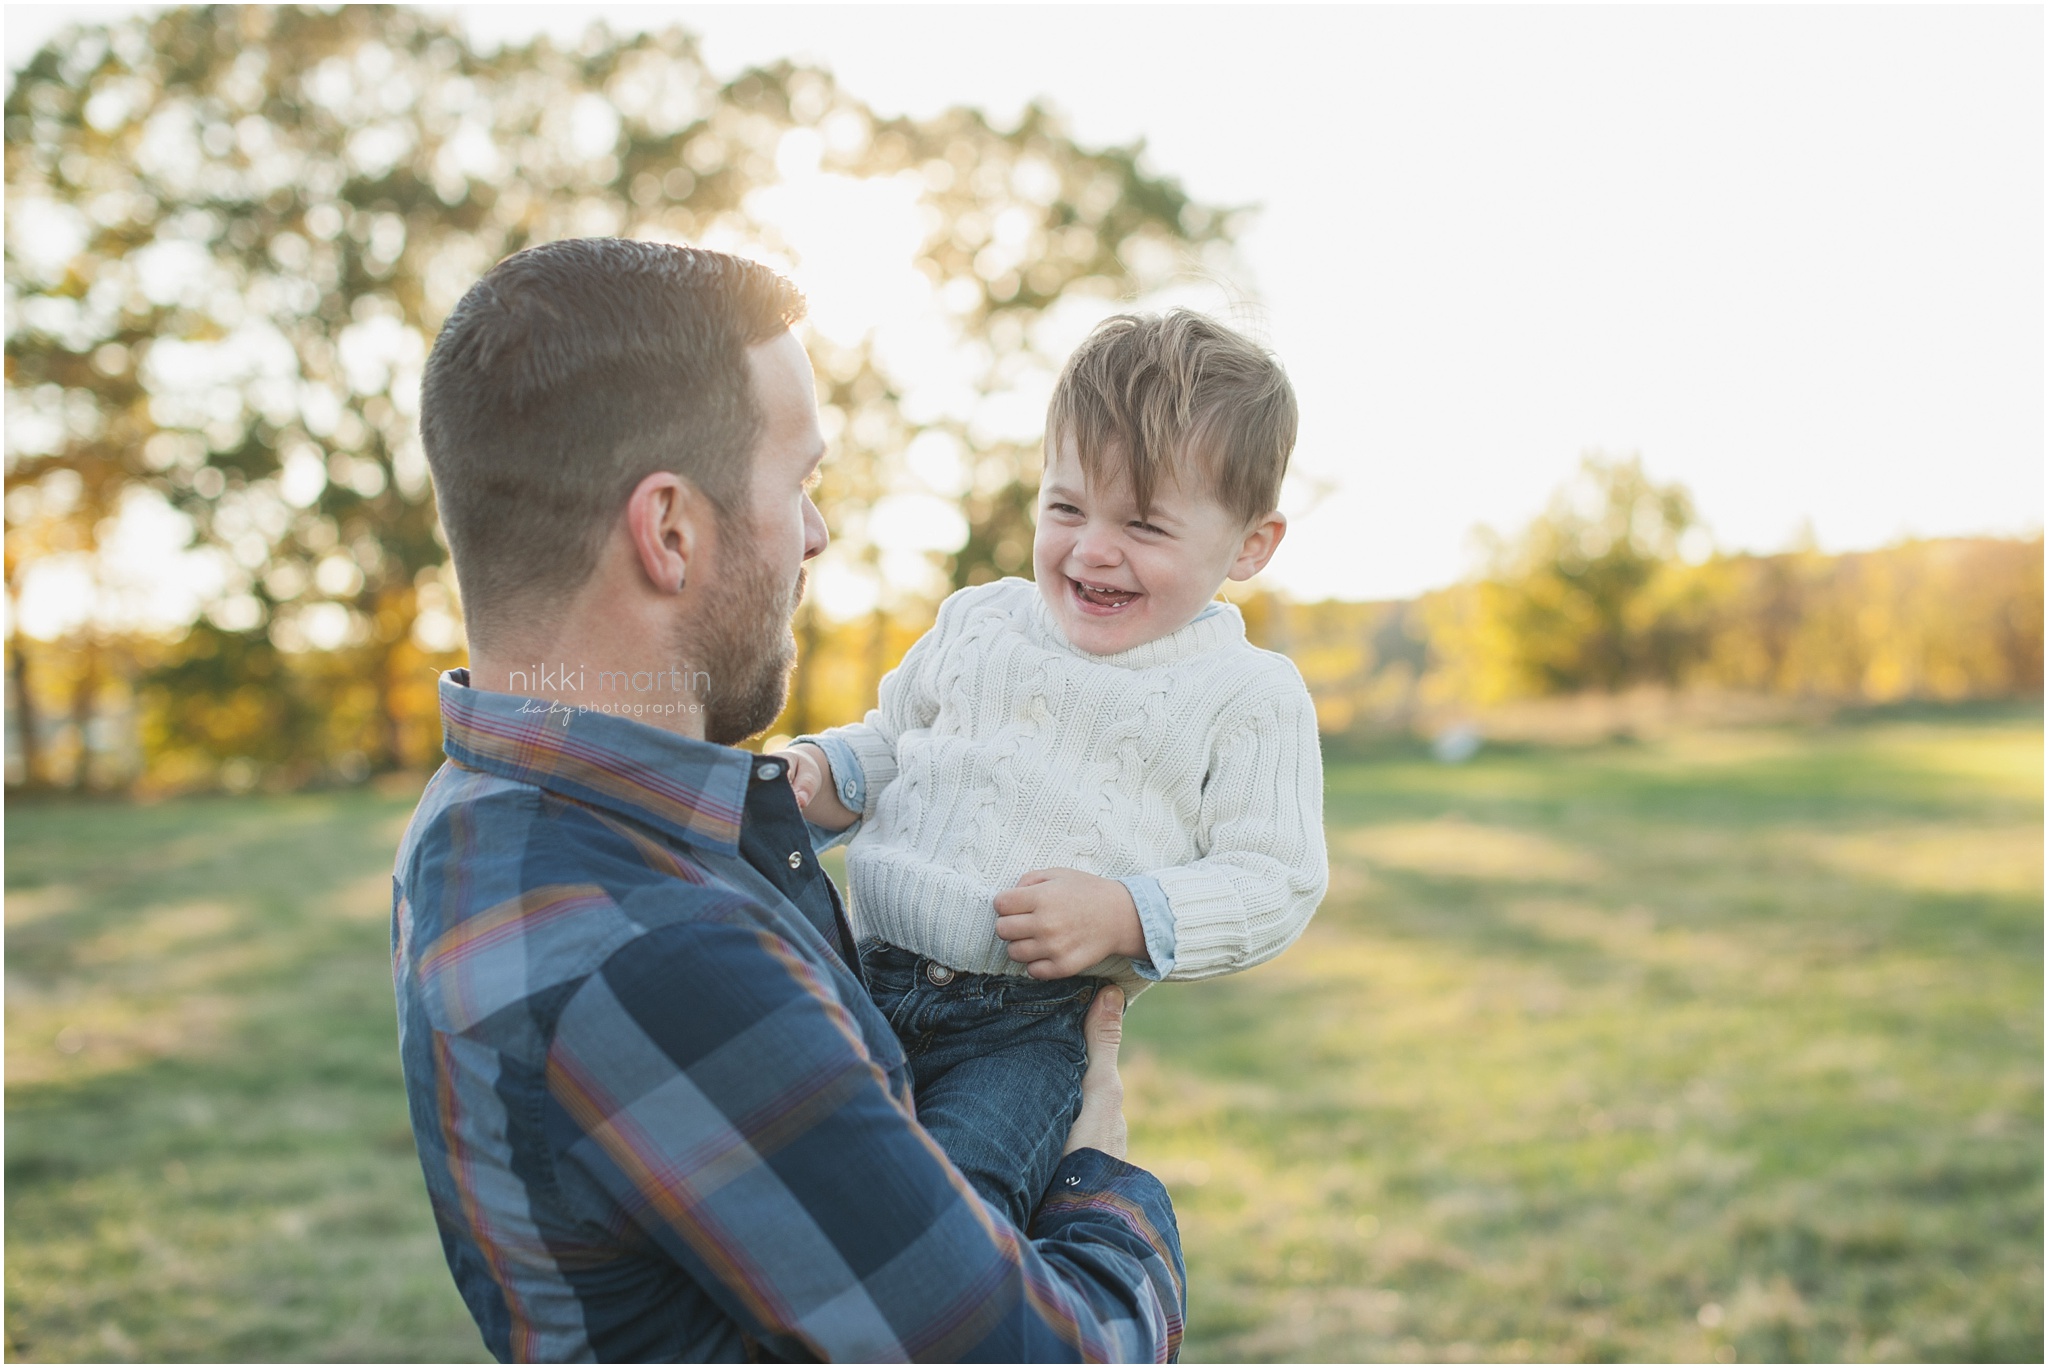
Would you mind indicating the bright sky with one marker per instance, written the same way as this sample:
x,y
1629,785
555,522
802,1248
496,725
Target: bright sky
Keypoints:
x,y
1791,256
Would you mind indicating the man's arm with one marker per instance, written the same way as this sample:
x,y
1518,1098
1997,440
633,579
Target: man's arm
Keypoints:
x,y
714,1086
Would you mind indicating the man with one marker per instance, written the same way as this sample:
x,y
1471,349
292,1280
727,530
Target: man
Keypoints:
x,y
658,1115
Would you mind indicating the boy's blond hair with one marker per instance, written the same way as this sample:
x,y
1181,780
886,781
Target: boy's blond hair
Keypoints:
x,y
1160,397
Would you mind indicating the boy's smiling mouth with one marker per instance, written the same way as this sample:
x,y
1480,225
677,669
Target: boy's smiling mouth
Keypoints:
x,y
1101,598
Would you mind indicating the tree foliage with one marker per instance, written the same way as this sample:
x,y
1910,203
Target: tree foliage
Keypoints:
x,y
234,230
1584,597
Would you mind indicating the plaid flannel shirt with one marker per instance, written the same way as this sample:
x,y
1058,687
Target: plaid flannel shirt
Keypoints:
x,y
658,1116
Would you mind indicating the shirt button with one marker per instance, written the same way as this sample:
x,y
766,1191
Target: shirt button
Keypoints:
x,y
939,974
768,772
849,788
796,859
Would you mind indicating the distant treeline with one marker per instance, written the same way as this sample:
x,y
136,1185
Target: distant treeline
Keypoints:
x,y
1943,620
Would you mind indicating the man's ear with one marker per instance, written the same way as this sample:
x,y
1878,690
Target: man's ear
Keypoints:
x,y
1259,545
667,519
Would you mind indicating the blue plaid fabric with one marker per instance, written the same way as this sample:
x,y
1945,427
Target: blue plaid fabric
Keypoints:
x,y
658,1116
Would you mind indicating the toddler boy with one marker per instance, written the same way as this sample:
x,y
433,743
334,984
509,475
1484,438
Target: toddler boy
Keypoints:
x,y
1093,777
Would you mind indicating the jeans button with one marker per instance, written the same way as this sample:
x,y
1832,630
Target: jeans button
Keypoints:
x,y
939,974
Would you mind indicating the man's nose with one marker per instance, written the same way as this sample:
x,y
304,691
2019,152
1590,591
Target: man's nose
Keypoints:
x,y
815,534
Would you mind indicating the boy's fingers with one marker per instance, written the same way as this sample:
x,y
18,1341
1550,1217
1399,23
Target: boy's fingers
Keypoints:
x,y
1014,902
1017,928
1038,961
1036,876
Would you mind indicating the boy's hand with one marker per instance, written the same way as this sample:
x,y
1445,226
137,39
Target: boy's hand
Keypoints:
x,y
810,774
1060,921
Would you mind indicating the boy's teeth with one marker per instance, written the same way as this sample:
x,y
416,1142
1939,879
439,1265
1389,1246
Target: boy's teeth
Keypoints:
x,y
1106,597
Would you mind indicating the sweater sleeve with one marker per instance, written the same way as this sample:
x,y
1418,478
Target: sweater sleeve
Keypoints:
x,y
907,699
1263,868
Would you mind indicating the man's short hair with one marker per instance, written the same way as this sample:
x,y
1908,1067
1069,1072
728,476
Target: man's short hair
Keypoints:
x,y
567,375
1178,397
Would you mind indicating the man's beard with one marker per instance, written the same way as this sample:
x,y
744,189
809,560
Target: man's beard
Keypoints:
x,y
744,644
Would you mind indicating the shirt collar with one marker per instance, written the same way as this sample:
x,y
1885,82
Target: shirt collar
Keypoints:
x,y
693,790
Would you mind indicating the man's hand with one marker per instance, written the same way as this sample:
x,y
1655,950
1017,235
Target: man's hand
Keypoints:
x,y
1060,921
810,774
1101,1122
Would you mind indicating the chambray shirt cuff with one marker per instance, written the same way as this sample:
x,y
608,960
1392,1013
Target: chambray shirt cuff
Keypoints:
x,y
851,778
1155,915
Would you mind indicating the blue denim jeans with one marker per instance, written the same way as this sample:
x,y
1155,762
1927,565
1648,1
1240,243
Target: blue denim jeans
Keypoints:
x,y
996,1063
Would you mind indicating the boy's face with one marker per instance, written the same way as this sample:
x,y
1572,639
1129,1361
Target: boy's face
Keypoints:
x,y
1114,579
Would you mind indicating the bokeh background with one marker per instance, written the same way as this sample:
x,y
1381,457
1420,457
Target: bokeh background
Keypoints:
x,y
1678,995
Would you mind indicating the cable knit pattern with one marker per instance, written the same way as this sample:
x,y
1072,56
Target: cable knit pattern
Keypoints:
x,y
997,748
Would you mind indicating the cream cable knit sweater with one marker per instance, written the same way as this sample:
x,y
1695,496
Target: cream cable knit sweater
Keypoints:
x,y
998,748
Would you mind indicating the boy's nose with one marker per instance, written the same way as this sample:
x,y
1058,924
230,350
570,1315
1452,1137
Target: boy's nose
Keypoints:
x,y
1097,547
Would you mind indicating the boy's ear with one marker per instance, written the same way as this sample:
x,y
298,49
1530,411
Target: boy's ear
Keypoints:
x,y
1259,545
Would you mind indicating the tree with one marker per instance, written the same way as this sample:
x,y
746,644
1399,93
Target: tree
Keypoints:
x,y
1584,598
234,231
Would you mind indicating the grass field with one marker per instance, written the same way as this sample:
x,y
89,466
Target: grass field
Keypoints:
x,y
1725,1047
